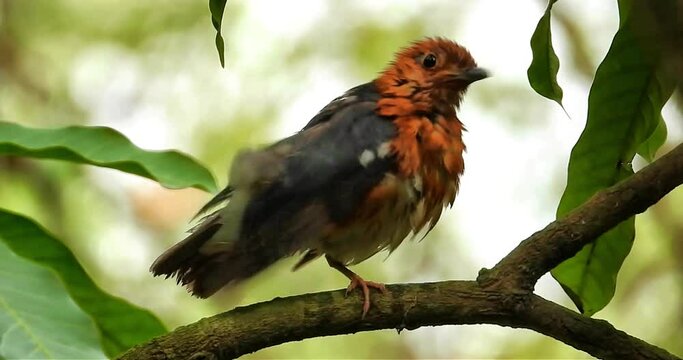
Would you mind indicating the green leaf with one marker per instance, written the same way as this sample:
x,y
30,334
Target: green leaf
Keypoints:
x,y
104,147
624,110
542,72
217,7
648,149
121,324
38,319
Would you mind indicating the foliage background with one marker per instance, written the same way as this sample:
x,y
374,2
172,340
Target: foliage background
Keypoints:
x,y
149,69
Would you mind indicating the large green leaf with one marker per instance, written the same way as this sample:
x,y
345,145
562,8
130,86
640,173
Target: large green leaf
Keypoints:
x,y
38,319
648,149
542,72
121,324
105,147
217,7
624,110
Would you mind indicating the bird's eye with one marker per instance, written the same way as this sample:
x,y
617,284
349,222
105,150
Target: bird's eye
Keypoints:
x,y
429,61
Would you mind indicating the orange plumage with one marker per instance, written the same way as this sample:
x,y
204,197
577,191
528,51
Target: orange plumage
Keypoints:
x,y
422,102
375,165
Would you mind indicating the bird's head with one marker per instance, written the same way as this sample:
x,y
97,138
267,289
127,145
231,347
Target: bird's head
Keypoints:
x,y
436,67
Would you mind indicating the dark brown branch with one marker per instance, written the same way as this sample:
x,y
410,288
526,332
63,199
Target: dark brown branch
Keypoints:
x,y
248,329
501,295
596,337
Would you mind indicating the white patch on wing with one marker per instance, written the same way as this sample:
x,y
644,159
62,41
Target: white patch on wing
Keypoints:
x,y
383,149
366,157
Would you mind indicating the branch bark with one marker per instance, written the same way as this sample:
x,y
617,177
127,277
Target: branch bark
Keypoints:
x,y
502,295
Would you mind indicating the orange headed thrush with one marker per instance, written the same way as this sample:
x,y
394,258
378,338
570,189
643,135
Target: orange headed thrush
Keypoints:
x,y
373,166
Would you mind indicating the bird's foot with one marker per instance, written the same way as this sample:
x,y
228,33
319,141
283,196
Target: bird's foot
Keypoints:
x,y
357,281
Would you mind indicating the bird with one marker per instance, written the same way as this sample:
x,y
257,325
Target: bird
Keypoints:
x,y
375,166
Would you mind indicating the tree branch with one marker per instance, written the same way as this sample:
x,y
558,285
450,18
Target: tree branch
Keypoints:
x,y
248,329
500,296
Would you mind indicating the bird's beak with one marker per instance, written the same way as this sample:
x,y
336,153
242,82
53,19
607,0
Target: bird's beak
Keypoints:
x,y
471,75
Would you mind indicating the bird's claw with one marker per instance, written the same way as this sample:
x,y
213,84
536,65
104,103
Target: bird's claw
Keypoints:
x,y
365,286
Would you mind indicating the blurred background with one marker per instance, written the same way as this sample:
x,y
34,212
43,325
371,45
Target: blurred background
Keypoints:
x,y
150,70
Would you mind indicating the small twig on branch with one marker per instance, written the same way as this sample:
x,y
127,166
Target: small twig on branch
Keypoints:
x,y
502,295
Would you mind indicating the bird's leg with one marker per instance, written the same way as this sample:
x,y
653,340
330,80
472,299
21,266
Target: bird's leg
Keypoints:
x,y
356,281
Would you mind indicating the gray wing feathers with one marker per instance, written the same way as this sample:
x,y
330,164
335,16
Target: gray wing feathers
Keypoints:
x,y
280,197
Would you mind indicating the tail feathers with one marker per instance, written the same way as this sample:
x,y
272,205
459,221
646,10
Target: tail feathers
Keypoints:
x,y
174,261
208,274
205,272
